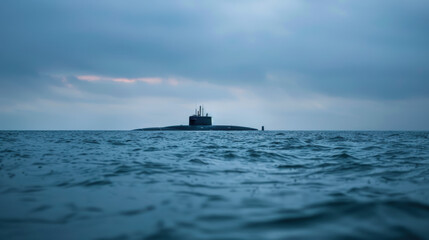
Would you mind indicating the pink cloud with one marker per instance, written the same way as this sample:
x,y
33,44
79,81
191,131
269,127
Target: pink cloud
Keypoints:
x,y
122,80
89,78
150,80
92,78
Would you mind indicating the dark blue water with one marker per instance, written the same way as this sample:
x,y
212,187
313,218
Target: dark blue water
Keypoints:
x,y
214,185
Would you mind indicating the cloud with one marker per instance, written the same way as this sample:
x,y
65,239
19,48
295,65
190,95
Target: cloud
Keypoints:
x,y
93,78
89,78
341,47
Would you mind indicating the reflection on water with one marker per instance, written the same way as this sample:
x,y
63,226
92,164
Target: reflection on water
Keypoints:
x,y
213,185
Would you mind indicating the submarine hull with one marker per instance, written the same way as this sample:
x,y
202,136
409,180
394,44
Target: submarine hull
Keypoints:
x,y
198,128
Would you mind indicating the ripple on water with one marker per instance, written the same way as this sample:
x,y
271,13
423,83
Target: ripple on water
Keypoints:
x,y
214,185
198,161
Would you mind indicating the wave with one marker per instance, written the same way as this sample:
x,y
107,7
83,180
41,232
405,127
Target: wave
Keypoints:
x,y
214,185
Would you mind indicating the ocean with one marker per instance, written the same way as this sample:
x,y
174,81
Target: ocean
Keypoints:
x,y
214,185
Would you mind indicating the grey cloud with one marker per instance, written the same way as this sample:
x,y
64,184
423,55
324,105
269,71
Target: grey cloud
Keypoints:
x,y
184,90
362,49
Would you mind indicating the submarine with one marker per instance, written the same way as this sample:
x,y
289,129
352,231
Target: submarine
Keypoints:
x,y
199,122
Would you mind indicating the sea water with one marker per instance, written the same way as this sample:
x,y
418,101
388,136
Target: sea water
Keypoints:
x,y
214,185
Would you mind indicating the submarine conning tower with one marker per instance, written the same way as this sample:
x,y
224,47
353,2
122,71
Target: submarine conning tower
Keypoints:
x,y
199,119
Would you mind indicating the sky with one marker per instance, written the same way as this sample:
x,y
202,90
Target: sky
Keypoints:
x,y
284,64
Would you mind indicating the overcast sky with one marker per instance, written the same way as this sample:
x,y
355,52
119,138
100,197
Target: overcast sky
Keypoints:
x,y
286,64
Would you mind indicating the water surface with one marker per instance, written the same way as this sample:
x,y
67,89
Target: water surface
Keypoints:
x,y
213,185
